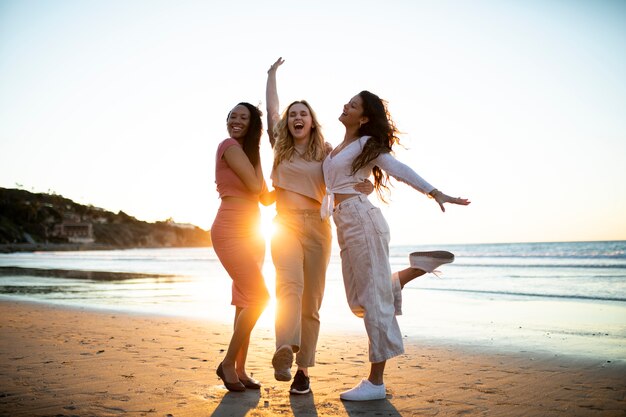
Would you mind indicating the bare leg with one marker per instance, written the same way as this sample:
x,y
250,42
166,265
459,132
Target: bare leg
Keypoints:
x,y
240,361
408,274
377,369
245,320
305,371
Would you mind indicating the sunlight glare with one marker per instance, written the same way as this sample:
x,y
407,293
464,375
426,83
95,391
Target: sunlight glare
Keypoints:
x,y
269,273
267,223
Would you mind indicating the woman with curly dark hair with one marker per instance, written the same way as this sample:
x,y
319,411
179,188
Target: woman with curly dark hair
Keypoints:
x,y
373,292
236,237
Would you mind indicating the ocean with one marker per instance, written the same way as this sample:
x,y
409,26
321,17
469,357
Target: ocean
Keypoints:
x,y
557,298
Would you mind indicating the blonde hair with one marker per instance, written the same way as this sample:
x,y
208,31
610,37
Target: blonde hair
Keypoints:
x,y
284,146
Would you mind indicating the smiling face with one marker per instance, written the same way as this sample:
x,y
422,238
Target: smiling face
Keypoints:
x,y
238,122
352,115
299,121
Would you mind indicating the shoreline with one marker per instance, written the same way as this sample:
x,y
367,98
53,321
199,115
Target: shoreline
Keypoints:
x,y
71,361
76,247
504,324
354,328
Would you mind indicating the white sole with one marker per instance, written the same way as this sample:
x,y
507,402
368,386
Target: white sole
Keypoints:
x,y
429,261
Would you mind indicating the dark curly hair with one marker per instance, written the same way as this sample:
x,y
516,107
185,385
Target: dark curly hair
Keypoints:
x,y
252,139
384,135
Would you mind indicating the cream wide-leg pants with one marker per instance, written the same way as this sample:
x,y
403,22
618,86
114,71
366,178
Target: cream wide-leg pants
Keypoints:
x,y
373,292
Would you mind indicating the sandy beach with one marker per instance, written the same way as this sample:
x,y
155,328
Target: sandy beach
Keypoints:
x,y
57,361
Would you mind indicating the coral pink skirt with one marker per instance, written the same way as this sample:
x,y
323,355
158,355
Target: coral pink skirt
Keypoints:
x,y
240,247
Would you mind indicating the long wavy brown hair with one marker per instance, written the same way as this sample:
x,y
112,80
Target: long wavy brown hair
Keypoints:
x,y
384,135
284,147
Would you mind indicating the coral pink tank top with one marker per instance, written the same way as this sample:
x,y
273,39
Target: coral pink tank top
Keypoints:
x,y
228,182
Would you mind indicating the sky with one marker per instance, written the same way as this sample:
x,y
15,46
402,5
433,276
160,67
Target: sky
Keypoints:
x,y
519,106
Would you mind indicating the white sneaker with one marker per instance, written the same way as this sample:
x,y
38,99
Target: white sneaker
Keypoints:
x,y
365,391
429,261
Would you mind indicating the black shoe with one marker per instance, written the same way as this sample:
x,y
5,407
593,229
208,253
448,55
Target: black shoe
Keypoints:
x,y
230,386
300,384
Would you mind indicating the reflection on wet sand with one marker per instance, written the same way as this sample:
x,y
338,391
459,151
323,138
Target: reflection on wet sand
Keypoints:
x,y
76,274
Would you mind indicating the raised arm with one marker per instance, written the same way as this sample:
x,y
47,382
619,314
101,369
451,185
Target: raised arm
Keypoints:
x,y
271,98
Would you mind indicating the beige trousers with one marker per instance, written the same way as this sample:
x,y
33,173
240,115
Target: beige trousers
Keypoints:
x,y
373,292
301,248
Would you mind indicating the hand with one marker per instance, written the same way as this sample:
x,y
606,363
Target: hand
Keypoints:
x,y
267,198
442,198
366,187
275,65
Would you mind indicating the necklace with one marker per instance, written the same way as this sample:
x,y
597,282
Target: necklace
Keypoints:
x,y
343,145
300,150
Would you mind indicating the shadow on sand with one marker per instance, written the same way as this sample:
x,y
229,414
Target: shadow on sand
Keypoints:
x,y
303,405
237,404
371,408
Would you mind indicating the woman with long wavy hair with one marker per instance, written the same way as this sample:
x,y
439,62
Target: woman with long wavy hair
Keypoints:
x,y
373,292
236,236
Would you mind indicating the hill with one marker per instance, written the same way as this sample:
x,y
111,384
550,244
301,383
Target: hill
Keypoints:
x,y
40,221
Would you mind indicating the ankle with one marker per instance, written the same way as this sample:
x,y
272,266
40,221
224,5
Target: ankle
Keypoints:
x,y
376,381
228,364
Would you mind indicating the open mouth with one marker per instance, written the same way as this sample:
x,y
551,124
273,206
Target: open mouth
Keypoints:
x,y
298,126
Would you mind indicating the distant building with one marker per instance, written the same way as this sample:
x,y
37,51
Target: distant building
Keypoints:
x,y
74,232
183,225
170,221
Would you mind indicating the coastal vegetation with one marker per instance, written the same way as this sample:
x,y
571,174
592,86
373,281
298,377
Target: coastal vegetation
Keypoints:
x,y
40,221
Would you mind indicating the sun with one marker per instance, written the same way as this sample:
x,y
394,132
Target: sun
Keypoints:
x,y
267,222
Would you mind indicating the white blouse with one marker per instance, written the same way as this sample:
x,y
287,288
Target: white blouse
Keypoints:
x,y
339,178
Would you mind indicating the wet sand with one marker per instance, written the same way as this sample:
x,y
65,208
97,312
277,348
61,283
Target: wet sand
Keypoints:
x,y
59,361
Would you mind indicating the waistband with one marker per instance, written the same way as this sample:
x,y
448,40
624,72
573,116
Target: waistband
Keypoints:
x,y
328,204
360,197
298,212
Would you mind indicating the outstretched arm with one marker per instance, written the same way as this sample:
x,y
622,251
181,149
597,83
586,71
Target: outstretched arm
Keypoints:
x,y
406,174
271,98
442,198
